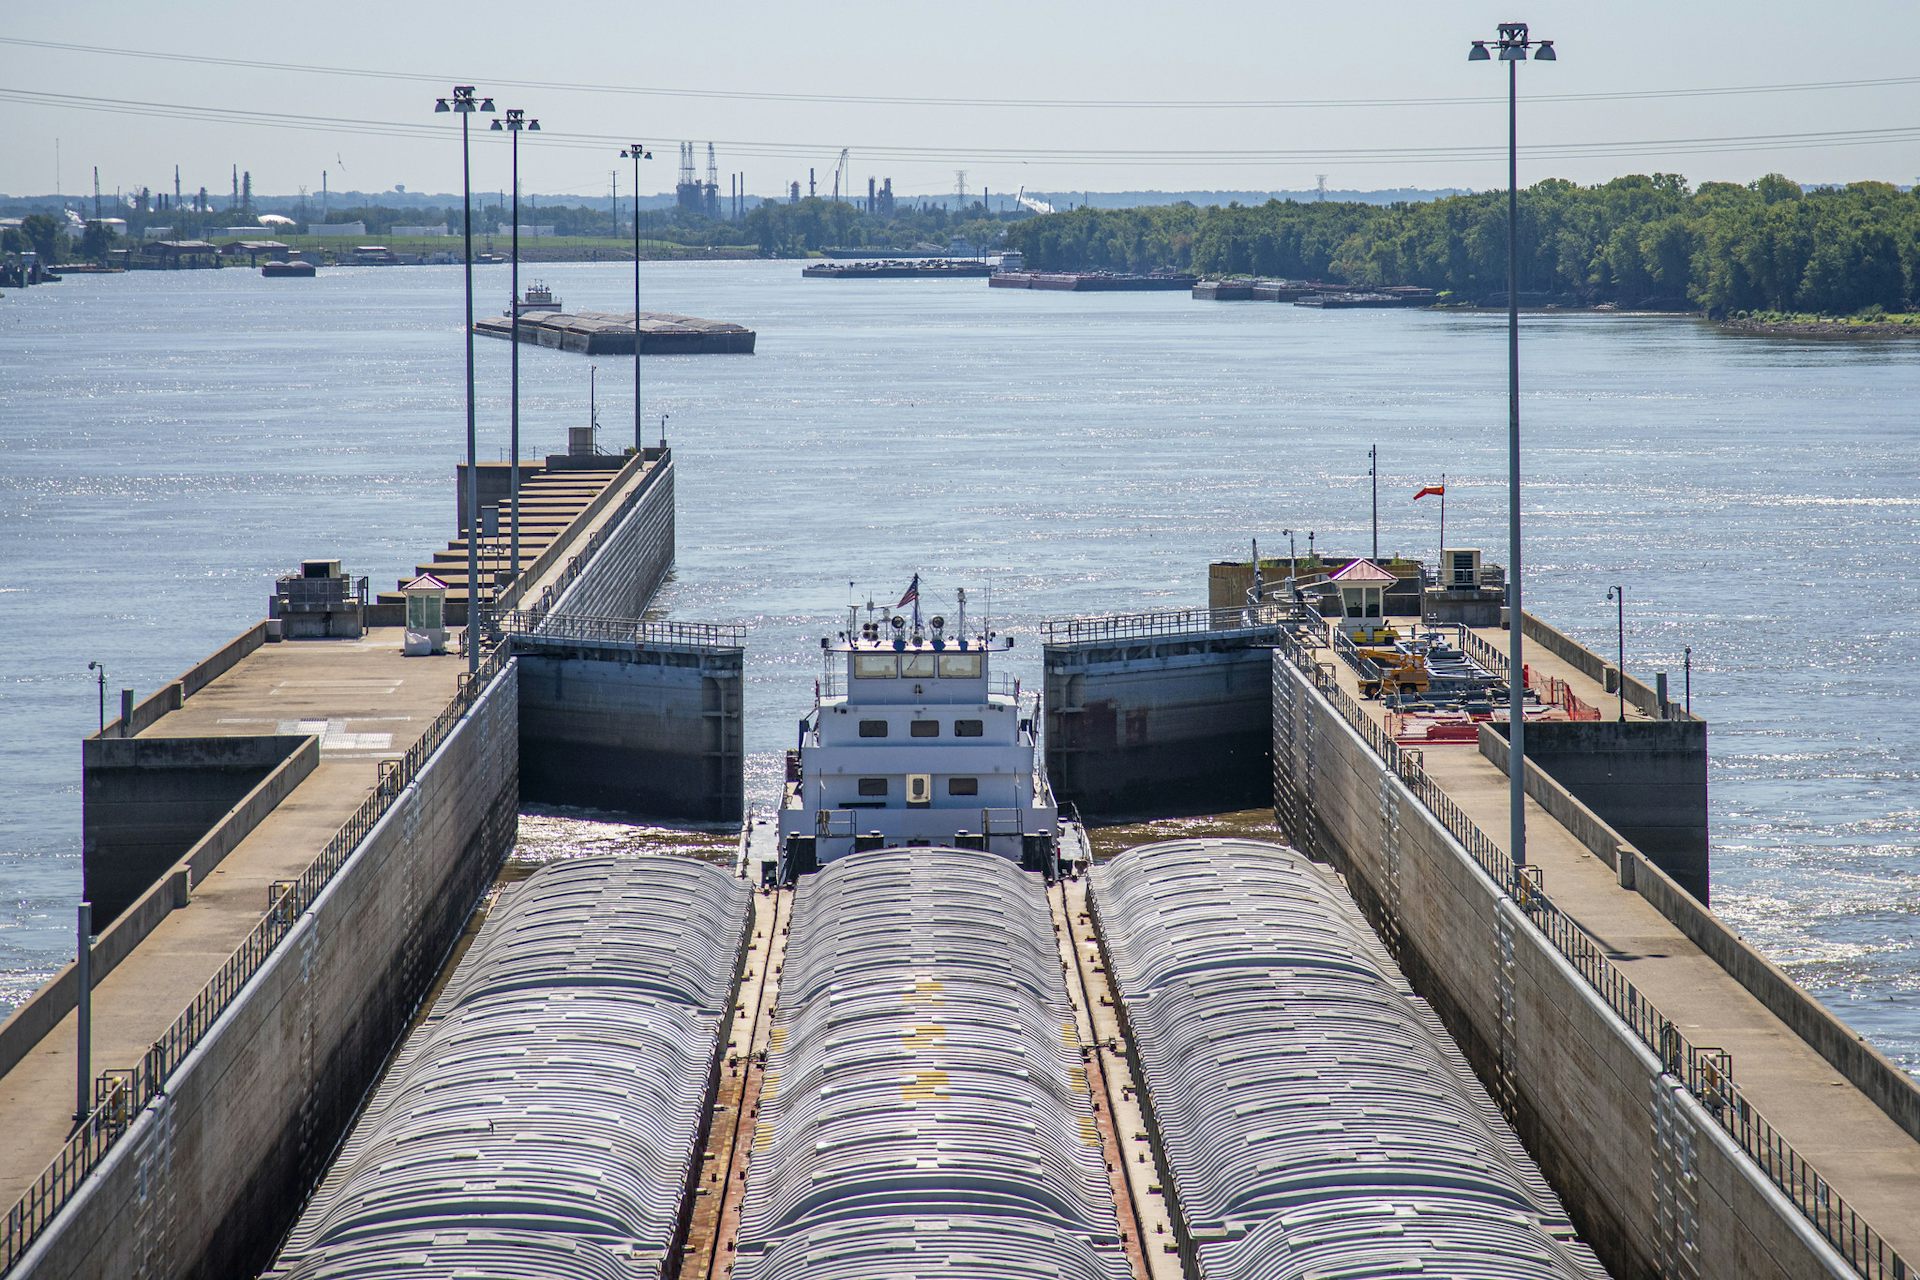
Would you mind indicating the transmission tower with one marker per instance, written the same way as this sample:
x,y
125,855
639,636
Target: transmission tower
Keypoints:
x,y
1320,187
960,187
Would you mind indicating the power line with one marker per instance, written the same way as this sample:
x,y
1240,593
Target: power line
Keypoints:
x,y
1103,104
1714,145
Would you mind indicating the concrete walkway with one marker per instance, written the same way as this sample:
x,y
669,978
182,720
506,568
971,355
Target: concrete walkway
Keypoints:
x,y
1871,1161
366,703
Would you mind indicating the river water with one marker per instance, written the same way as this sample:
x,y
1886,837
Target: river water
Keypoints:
x,y
172,441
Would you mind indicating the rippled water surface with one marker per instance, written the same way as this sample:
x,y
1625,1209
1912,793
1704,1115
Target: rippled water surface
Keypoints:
x,y
174,440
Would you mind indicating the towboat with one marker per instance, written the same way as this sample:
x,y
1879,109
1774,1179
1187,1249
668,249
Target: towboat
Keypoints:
x,y
538,297
913,742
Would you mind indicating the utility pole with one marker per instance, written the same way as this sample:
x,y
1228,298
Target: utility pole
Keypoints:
x,y
96,193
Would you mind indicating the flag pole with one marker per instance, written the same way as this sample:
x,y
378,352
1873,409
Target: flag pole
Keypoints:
x,y
1441,568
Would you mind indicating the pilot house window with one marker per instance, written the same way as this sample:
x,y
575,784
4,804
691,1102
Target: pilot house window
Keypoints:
x,y
873,728
926,729
873,786
963,666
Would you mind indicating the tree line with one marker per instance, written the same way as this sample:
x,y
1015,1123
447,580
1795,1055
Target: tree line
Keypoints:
x,y
1635,241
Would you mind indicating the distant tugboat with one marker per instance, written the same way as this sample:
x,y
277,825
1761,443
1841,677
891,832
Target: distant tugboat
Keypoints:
x,y
538,297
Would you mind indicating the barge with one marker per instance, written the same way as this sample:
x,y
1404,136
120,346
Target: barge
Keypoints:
x,y
899,269
1094,281
597,333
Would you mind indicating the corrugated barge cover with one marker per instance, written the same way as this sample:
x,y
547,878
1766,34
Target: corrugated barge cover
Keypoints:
x,y
925,1109
1318,1119
542,1122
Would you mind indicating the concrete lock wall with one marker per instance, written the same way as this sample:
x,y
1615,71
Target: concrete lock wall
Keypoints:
x,y
1646,779
1653,1184
211,1174
630,565
146,801
647,731
1175,724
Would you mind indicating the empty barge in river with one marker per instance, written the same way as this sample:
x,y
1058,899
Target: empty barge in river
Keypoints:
x,y
611,333
899,269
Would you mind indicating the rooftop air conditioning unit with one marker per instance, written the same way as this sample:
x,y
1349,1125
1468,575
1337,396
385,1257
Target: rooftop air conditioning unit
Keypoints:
x,y
1460,568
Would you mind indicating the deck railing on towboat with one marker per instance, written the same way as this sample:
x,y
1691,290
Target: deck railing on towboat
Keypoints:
x,y
120,1095
1706,1072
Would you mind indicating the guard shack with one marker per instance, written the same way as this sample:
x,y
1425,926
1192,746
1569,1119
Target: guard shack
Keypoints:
x,y
426,630
1362,585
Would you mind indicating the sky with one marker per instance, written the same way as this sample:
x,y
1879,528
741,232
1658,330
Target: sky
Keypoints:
x,y
1052,96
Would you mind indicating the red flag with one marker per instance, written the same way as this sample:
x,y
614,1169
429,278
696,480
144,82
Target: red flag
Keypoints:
x,y
1439,489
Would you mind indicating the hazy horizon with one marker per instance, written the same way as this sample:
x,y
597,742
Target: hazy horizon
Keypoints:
x,y
1230,97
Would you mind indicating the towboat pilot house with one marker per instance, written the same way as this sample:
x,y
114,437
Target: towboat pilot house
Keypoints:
x,y
913,742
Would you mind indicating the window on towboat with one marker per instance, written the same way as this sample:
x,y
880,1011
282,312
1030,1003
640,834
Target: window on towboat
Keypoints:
x,y
916,666
873,786
963,786
926,728
960,666
876,666
873,728
969,728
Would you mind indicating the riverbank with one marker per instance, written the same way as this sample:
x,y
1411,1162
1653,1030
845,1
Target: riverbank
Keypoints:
x,y
1841,327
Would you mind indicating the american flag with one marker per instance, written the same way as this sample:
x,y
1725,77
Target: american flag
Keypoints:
x,y
912,595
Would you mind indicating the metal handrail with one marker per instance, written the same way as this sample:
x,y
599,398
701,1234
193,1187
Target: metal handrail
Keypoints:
x,y
1706,1072
589,627
1167,622
122,1095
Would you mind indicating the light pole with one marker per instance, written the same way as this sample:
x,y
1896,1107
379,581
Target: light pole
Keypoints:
x,y
1373,473
464,104
1513,44
1618,595
636,152
516,121
1293,563
94,666
1687,659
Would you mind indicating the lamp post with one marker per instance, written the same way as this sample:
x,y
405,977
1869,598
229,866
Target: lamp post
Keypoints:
x,y
1293,562
516,120
1618,595
1373,474
463,103
1513,43
102,679
636,152
1688,660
